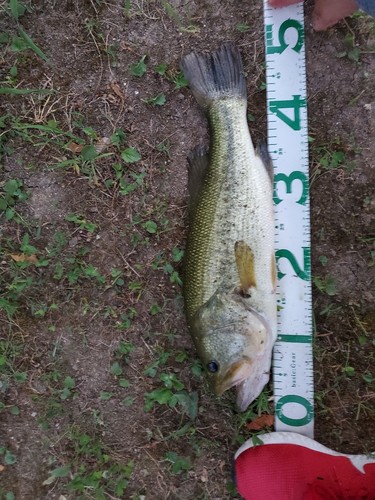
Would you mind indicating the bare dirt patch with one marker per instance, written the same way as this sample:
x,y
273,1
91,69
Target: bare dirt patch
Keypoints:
x,y
102,394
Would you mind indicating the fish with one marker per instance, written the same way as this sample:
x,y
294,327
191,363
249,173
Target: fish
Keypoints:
x,y
229,275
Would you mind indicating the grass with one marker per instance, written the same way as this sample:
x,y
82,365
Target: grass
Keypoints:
x,y
22,42
104,476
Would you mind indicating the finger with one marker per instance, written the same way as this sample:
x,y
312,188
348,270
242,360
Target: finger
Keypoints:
x,y
327,14
282,3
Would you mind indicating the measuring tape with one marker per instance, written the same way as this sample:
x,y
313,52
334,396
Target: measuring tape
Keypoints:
x,y
288,146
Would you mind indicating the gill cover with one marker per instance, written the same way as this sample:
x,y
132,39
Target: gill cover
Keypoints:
x,y
229,336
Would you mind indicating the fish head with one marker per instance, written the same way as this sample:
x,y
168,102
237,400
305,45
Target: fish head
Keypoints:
x,y
234,343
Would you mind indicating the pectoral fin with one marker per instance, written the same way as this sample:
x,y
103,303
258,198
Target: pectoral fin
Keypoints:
x,y
245,265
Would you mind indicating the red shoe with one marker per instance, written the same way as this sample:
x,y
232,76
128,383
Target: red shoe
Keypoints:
x,y
289,466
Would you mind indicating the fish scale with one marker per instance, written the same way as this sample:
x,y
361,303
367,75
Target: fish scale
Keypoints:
x,y
231,205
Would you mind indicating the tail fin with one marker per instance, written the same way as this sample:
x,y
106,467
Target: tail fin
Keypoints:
x,y
215,76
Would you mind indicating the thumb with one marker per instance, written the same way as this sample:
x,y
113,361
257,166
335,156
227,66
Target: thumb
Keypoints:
x,y
327,14
282,3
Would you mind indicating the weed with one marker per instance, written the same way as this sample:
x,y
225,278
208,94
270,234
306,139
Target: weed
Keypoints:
x,y
170,11
130,155
181,356
118,138
197,368
349,371
164,147
328,158
130,184
158,100
177,254
139,68
243,27
259,407
136,286
152,369
90,271
16,9
323,260
8,457
116,274
77,269
57,473
12,293
69,386
325,285
368,378
12,192
105,395
351,51
124,349
330,309
92,469
178,464
111,51
250,117
29,43
16,91
155,309
161,263
126,319
172,394
82,222
178,79
128,401
124,383
116,369
126,8
161,69
174,276
150,226
365,337
10,352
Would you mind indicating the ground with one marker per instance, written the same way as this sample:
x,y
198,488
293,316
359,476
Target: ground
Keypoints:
x,y
102,393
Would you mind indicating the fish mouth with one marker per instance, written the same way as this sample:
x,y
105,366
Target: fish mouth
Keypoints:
x,y
236,374
249,389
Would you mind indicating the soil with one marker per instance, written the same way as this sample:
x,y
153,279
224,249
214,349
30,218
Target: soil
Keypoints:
x,y
75,321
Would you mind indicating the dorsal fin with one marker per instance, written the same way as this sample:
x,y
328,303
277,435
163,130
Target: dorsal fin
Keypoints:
x,y
245,265
198,161
262,151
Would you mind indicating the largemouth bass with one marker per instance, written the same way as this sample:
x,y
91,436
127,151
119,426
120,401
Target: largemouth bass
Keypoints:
x,y
229,268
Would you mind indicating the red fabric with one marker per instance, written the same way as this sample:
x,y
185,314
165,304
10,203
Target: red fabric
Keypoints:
x,y
293,472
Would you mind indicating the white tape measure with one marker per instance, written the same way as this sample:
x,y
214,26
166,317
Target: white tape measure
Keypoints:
x,y
288,146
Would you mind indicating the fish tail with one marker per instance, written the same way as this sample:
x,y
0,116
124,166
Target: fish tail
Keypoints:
x,y
214,76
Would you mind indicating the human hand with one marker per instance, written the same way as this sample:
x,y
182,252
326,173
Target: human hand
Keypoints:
x,y
326,12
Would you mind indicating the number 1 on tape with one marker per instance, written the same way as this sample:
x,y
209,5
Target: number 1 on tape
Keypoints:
x,y
288,147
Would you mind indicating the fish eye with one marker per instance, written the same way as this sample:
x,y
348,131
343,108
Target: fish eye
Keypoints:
x,y
212,367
